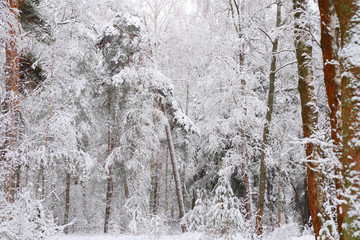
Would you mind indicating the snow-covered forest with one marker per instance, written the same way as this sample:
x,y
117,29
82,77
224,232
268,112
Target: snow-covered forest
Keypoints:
x,y
217,119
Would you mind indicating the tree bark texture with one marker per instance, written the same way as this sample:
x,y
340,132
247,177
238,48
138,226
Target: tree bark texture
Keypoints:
x,y
309,113
154,191
175,172
174,164
67,201
270,104
11,100
332,79
111,144
348,12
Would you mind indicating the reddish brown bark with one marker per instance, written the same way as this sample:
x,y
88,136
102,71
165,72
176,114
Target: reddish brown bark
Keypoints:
x,y
348,12
309,113
330,47
11,101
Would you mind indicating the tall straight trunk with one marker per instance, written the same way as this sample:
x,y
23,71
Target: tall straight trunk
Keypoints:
x,y
278,223
237,13
270,104
166,186
306,205
110,184
309,113
11,101
124,175
246,175
67,201
109,192
348,12
332,79
154,181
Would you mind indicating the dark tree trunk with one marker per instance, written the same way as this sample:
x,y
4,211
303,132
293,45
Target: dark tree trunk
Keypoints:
x,y
67,201
270,104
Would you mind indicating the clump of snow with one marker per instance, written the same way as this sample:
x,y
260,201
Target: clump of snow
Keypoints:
x,y
25,219
184,236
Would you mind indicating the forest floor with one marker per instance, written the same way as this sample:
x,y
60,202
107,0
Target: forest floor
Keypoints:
x,y
185,236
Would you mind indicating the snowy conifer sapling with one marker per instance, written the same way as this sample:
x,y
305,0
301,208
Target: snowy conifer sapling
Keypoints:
x,y
225,218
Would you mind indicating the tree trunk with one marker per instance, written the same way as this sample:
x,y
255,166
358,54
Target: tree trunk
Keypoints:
x,y
154,191
111,145
306,207
67,201
332,79
279,195
124,174
246,176
309,113
270,104
175,173
177,177
166,186
11,100
348,12
109,192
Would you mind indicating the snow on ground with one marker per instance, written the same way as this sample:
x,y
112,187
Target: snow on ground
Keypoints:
x,y
185,236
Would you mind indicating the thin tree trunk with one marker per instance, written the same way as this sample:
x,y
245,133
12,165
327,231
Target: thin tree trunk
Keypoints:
x,y
348,12
109,192
270,104
309,113
332,79
126,187
175,173
110,184
154,191
67,201
246,176
177,177
279,195
166,186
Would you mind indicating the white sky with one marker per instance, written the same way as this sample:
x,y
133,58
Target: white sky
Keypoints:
x,y
189,6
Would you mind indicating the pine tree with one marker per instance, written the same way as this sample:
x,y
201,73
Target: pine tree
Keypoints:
x,y
224,218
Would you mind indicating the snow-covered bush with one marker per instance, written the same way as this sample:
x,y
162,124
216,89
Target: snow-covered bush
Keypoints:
x,y
195,220
25,219
222,218
225,218
285,232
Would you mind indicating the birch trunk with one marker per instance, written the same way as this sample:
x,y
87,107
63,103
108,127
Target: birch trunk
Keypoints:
x,y
348,12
